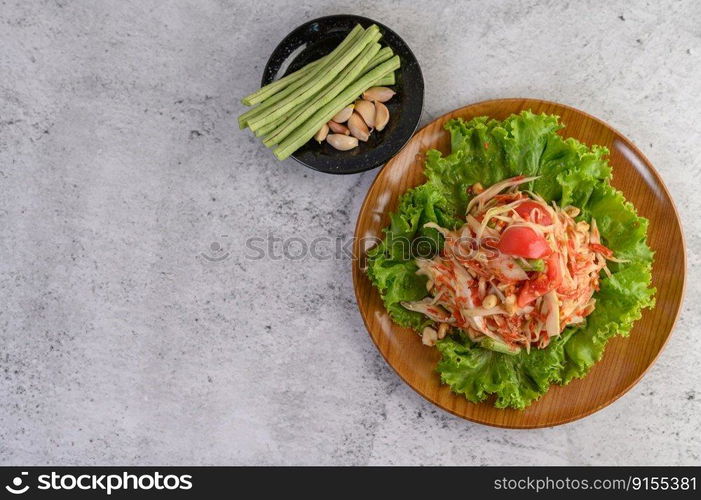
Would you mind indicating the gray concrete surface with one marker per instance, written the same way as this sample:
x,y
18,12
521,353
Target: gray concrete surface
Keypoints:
x,y
121,164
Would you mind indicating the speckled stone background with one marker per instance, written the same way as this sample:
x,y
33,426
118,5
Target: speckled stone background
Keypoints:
x,y
136,329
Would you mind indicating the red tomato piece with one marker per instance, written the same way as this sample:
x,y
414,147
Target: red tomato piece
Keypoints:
x,y
523,242
532,290
526,208
542,283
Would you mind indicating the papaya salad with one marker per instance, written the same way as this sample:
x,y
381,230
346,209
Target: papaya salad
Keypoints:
x,y
517,259
515,274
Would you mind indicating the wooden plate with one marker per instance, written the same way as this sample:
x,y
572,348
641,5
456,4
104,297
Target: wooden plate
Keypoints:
x,y
625,360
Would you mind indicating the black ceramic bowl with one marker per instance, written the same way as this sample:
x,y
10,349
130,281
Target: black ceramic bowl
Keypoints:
x,y
317,38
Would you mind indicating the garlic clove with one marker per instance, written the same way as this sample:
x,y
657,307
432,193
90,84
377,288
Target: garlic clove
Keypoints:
x,y
429,336
321,134
358,128
343,115
342,142
381,116
337,128
380,94
366,109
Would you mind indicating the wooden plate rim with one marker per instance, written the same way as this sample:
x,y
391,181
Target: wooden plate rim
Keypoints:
x,y
356,253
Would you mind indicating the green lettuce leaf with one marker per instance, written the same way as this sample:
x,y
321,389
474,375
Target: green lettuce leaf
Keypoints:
x,y
571,173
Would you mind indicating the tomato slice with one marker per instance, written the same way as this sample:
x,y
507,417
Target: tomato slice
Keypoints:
x,y
523,242
542,283
532,290
526,208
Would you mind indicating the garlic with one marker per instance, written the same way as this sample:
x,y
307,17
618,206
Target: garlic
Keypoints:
x,y
366,109
321,134
380,94
342,142
343,115
442,330
429,336
337,128
381,116
357,127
